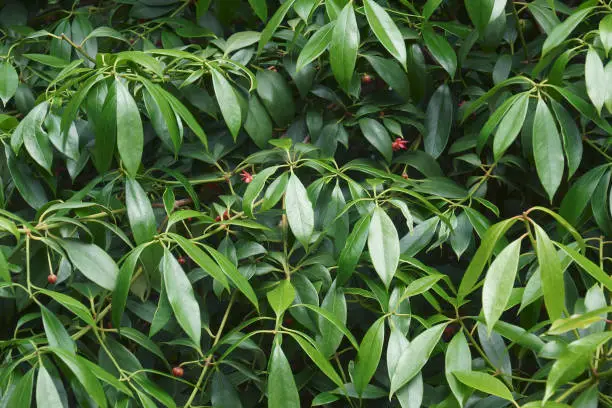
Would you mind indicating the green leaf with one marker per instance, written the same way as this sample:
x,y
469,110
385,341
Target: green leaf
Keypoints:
x,y
282,391
254,189
22,393
551,274
48,60
55,332
181,297
378,136
258,124
230,270
576,199
458,358
484,382
83,374
38,146
163,118
140,212
392,74
276,96
344,46
300,214
281,297
223,393
71,304
563,30
92,261
438,121
105,32
415,356
28,186
385,30
260,8
383,245
29,126
279,15
124,281
241,40
581,321
228,102
605,32
499,282
203,260
481,257
9,80
547,149
130,136
430,7
331,321
143,59
441,50
47,394
479,12
350,254
595,76
572,138
574,360
510,125
316,45
368,357
317,357
588,266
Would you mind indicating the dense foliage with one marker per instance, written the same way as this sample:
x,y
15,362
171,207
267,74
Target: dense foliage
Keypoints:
x,y
305,202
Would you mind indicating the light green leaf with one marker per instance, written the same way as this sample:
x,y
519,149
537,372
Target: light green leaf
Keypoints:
x,y
282,391
563,30
300,214
9,80
438,121
484,382
499,282
55,332
595,78
281,297
441,50
458,358
46,392
551,274
140,212
605,32
383,245
547,149
350,254
92,261
316,45
228,102
510,125
368,357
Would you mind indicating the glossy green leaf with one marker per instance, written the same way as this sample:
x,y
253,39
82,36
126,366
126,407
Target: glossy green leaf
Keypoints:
x,y
9,80
228,102
368,357
56,332
181,297
202,259
140,212
276,96
344,46
480,12
317,357
499,282
282,391
260,8
21,395
605,32
258,124
350,254
300,214
279,15
93,262
484,382
547,149
47,394
510,125
130,137
595,76
441,50
385,30
551,274
458,358
281,297
415,357
563,30
383,245
588,266
392,74
124,281
316,45
83,374
330,335
438,121
377,135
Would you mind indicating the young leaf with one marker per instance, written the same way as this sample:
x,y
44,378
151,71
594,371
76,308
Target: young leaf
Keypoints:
x,y
385,30
281,297
344,46
300,214
499,282
595,76
383,245
547,150
47,394
181,297
9,80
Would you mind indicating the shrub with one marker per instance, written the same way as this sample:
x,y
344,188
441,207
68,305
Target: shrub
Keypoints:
x,y
329,203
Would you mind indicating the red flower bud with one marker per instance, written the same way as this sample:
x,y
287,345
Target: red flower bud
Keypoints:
x,y
52,279
246,176
182,260
366,79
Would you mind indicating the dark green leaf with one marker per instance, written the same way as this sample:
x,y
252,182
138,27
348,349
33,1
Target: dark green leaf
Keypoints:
x,y
438,121
344,46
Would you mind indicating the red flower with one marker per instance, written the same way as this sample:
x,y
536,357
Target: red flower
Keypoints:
x,y
246,176
399,144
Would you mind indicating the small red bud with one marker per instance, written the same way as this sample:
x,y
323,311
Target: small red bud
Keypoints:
x,y
405,175
178,372
52,279
182,260
366,79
